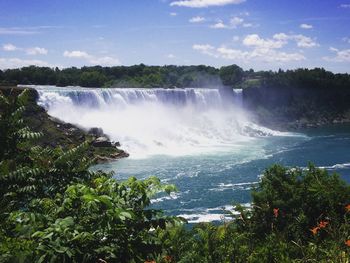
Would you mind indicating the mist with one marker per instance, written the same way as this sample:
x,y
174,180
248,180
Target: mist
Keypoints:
x,y
148,122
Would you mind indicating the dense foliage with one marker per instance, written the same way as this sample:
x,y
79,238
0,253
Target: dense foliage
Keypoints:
x,y
171,76
53,209
119,76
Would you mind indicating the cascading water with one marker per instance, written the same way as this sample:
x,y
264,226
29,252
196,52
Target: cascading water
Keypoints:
x,y
155,121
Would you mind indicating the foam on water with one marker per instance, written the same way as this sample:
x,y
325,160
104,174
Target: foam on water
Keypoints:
x,y
172,196
234,186
211,214
336,166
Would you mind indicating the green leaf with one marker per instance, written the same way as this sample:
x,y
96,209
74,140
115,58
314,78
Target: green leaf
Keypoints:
x,y
126,215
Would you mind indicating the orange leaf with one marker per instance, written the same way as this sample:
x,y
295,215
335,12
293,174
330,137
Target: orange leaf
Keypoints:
x,y
323,224
167,258
347,208
314,230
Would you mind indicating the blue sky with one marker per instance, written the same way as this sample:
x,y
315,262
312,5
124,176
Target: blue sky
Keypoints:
x,y
258,34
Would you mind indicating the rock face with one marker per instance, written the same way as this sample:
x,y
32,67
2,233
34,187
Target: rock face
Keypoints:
x,y
293,108
102,142
112,157
121,154
116,144
98,132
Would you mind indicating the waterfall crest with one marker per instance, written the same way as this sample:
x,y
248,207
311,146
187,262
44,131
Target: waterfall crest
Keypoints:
x,y
119,97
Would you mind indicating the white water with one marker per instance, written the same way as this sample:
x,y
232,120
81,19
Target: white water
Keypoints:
x,y
148,122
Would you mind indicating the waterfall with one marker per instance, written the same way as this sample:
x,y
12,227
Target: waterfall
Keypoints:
x,y
238,97
121,97
156,121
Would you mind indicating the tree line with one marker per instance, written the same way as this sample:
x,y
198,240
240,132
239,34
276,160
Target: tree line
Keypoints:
x,y
174,76
120,76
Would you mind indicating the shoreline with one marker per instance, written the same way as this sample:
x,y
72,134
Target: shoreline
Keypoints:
x,y
285,125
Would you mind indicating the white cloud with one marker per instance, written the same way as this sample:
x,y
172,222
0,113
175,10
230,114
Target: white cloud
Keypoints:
x,y
28,30
9,47
171,56
28,51
103,61
304,42
197,19
236,21
7,63
256,41
236,38
205,49
220,24
76,54
248,25
232,54
256,54
301,40
306,26
346,39
36,51
173,14
258,49
340,55
204,3
345,5
17,31
244,13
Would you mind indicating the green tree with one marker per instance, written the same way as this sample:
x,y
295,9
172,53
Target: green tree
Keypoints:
x,y
231,75
92,79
